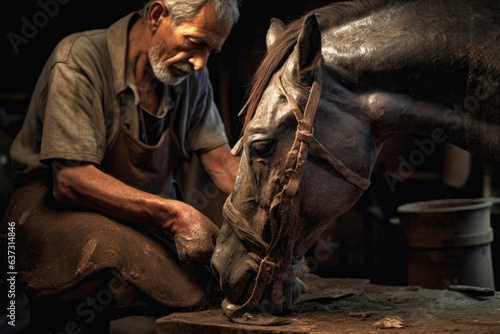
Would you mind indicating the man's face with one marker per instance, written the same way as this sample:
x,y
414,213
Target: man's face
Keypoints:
x,y
178,50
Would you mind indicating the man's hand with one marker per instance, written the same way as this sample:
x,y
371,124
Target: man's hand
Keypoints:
x,y
194,234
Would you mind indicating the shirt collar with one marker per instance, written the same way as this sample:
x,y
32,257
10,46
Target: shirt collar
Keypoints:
x,y
117,39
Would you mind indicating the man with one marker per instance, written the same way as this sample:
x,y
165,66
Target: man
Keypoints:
x,y
113,115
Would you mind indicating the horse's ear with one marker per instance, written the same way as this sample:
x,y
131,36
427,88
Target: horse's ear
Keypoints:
x,y
307,51
275,30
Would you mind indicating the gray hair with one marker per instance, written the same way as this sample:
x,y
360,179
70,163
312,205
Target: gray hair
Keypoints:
x,y
227,11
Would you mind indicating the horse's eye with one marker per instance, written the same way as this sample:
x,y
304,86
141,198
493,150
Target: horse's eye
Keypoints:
x,y
262,147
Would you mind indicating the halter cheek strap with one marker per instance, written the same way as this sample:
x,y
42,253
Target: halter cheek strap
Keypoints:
x,y
305,134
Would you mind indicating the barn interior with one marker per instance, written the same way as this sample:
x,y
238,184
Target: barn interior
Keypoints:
x,y
366,250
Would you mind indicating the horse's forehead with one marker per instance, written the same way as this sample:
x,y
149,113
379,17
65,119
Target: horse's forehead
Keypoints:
x,y
272,110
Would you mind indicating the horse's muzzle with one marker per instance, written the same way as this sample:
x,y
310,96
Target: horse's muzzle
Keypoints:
x,y
230,265
240,273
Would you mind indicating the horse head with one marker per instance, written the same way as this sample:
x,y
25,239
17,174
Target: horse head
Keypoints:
x,y
289,179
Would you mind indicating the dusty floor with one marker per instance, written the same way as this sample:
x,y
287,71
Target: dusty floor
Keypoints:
x,y
364,308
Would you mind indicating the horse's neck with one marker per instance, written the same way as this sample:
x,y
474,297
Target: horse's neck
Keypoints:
x,y
392,114
410,34
471,122
417,72
418,48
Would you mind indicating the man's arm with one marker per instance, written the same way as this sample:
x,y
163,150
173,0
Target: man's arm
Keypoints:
x,y
222,167
85,185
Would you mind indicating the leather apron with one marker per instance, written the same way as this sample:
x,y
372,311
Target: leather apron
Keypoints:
x,y
148,168
60,246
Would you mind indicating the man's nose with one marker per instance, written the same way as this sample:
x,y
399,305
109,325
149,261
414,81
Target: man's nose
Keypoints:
x,y
199,60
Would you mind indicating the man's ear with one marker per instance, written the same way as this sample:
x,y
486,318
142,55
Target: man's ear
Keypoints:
x,y
157,11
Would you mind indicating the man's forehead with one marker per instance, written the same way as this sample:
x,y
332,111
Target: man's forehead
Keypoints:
x,y
205,25
213,37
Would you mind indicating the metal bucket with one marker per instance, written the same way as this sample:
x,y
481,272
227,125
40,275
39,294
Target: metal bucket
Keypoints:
x,y
449,242
495,245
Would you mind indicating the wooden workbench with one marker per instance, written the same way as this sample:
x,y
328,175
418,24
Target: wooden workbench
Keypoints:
x,y
357,306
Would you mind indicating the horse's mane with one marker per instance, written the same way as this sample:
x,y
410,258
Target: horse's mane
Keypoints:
x,y
327,16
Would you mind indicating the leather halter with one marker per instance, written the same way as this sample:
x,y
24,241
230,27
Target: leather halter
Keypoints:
x,y
276,266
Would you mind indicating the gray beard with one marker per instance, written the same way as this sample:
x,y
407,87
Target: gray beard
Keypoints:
x,y
161,72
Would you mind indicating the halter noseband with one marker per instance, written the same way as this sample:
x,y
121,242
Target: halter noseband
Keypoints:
x,y
276,266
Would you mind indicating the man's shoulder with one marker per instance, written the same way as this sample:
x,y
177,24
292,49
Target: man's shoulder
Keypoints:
x,y
80,44
94,47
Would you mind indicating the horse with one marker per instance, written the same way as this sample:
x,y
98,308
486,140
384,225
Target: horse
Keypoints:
x,y
333,86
